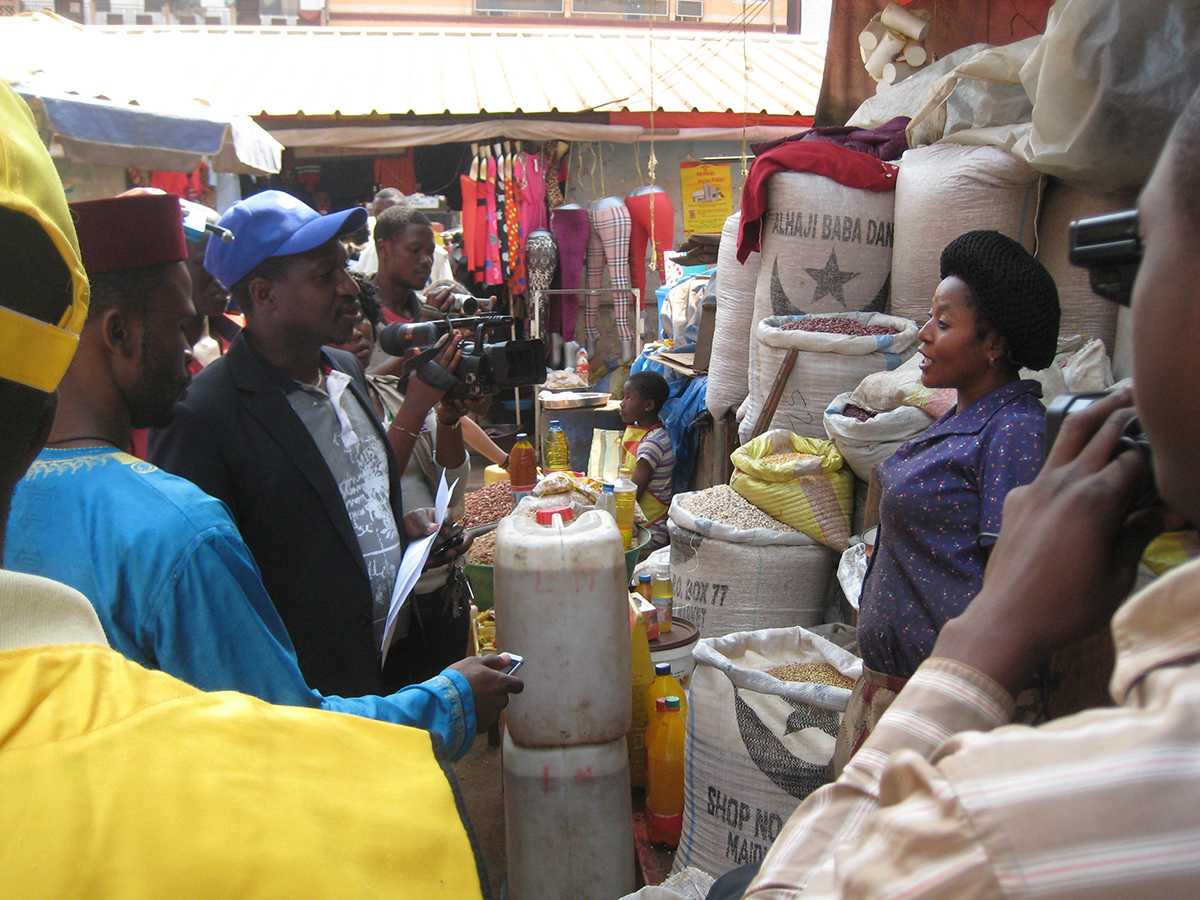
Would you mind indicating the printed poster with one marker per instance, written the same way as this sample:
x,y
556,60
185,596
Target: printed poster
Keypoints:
x,y
707,190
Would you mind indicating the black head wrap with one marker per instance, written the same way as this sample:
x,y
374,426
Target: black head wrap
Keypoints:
x,y
1012,290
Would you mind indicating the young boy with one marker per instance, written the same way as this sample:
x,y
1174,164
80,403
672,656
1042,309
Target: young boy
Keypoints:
x,y
647,450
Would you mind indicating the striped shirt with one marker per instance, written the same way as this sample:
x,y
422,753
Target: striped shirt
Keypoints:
x,y
946,799
656,448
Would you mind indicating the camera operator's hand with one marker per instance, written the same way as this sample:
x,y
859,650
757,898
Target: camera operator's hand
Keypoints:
x,y
490,686
450,412
423,396
441,298
1067,554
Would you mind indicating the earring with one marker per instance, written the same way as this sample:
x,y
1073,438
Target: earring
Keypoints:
x,y
992,362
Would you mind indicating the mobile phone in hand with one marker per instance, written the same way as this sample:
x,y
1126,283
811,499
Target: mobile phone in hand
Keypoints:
x,y
515,662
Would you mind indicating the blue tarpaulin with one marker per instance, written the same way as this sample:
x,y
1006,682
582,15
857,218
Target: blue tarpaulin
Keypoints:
x,y
107,133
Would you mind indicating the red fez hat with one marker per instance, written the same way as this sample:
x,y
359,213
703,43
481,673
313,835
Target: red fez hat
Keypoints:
x,y
129,232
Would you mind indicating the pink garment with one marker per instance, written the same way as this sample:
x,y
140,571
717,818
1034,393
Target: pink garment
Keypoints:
x,y
493,271
527,172
608,248
652,218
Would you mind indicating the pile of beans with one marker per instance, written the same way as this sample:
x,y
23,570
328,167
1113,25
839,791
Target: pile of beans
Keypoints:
x,y
725,505
837,325
858,413
488,505
483,550
785,459
817,673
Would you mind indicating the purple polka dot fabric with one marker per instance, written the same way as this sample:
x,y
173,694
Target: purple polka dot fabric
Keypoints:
x,y
940,491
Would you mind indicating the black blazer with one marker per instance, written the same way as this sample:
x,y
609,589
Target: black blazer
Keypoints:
x,y
237,438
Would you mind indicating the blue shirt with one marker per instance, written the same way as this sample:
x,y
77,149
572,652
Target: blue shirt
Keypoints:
x,y
939,492
176,588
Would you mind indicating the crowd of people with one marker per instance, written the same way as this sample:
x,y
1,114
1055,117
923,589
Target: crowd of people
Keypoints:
x,y
178,625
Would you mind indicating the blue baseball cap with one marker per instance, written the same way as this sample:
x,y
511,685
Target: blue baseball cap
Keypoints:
x,y
272,223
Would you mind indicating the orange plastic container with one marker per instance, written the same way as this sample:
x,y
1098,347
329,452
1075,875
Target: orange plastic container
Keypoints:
x,y
664,685
664,774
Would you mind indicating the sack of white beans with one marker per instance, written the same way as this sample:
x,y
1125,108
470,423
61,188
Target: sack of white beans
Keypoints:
x,y
945,190
738,569
833,360
728,371
763,714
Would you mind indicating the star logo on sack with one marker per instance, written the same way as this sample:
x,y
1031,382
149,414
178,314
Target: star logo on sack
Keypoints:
x,y
830,280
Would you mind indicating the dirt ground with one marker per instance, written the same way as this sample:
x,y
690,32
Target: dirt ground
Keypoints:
x,y
479,780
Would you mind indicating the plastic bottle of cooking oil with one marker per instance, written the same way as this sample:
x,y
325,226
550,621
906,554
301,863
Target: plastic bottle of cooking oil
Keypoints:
x,y
522,468
558,451
626,495
664,774
642,676
662,596
664,685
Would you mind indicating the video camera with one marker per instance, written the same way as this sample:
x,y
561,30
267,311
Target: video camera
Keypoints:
x,y
1110,248
486,367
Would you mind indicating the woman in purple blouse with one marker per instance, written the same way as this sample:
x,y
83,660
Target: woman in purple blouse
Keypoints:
x,y
994,312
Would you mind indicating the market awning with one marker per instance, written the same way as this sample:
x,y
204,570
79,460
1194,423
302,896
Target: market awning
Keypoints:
x,y
106,133
425,71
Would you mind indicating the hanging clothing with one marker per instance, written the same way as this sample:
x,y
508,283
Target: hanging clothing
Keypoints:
x,y
532,183
571,230
518,279
467,186
541,253
493,271
652,218
608,247
555,173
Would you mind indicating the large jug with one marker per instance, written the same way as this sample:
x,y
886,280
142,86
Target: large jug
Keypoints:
x,y
568,822
561,602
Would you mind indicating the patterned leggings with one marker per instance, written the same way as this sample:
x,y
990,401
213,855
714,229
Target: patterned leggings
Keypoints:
x,y
608,247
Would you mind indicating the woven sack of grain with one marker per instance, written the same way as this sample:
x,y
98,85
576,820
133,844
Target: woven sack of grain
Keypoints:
x,y
828,365
756,745
825,248
802,482
735,579
944,190
728,370
1083,312
865,445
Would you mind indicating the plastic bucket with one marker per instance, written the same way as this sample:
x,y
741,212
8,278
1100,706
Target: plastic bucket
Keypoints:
x,y
675,647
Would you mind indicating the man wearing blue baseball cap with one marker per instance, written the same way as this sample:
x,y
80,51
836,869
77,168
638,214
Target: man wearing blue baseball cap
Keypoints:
x,y
281,429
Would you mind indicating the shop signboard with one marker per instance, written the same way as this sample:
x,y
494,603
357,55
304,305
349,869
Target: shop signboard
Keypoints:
x,y
707,190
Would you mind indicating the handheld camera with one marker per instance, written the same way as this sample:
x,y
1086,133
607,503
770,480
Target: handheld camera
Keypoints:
x,y
498,358
1110,248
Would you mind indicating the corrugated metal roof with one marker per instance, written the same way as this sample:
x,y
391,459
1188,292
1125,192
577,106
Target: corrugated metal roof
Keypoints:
x,y
421,71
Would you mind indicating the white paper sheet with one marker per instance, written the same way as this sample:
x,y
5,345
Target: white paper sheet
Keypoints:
x,y
416,554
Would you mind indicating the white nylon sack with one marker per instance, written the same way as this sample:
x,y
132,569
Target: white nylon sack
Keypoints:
x,y
943,191
756,746
1083,312
1108,81
852,572
729,368
985,91
825,248
739,580
828,365
1078,367
865,445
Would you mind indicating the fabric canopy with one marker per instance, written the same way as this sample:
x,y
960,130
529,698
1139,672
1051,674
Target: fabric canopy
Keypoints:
x,y
106,133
